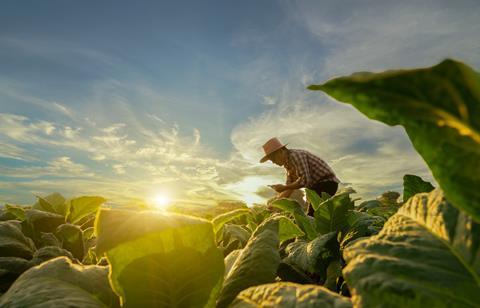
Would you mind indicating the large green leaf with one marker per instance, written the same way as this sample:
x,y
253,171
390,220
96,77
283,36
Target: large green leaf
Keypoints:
x,y
13,243
224,218
314,199
413,185
313,256
59,283
235,233
383,211
230,260
160,259
16,210
289,295
71,237
81,207
428,254
256,264
287,229
302,220
360,224
49,252
440,110
48,239
233,237
53,203
331,215
10,269
369,204
290,273
42,221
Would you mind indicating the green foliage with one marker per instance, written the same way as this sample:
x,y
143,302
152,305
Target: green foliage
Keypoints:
x,y
385,206
290,273
81,207
207,211
313,256
71,237
49,252
150,249
314,199
287,229
233,237
16,210
369,204
43,227
360,224
48,239
413,185
230,260
439,107
10,269
426,255
59,283
331,214
41,221
224,218
334,271
383,211
302,220
53,203
289,295
13,243
256,264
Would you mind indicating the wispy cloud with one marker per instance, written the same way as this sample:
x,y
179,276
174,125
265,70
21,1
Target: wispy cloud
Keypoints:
x,y
123,138
15,152
60,167
366,154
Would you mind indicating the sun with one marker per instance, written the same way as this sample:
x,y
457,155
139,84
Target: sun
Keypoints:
x,y
161,201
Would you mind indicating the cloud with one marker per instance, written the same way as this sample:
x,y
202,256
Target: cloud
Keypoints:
x,y
269,100
385,35
19,128
197,136
376,36
119,169
369,155
152,159
57,50
12,151
60,167
121,141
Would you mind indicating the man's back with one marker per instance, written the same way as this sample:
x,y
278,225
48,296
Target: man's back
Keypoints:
x,y
310,167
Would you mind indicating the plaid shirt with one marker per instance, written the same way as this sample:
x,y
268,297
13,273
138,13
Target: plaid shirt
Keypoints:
x,y
310,168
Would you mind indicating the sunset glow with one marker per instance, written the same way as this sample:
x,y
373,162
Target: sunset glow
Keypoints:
x,y
161,201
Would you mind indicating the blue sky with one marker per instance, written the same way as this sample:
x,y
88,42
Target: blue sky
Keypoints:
x,y
128,99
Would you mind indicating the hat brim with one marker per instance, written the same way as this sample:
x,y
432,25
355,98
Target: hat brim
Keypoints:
x,y
267,157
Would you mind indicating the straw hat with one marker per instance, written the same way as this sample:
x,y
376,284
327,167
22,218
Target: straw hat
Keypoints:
x,y
271,146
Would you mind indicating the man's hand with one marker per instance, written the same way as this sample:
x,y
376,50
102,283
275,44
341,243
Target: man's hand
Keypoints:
x,y
278,187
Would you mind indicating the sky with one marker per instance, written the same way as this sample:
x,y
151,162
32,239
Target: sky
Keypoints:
x,y
131,99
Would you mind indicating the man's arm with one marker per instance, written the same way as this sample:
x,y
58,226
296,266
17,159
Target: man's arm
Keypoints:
x,y
285,194
292,186
295,185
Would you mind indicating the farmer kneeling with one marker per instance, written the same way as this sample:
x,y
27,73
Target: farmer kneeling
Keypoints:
x,y
303,170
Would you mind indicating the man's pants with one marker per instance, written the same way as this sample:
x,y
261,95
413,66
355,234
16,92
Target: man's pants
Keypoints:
x,y
329,187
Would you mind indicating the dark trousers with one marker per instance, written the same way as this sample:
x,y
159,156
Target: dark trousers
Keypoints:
x,y
329,187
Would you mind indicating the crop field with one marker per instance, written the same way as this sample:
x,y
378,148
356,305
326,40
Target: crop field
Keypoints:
x,y
416,248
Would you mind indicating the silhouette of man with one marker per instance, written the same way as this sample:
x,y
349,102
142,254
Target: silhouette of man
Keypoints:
x,y
303,170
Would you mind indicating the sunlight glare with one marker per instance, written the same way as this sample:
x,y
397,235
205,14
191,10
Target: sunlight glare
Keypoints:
x,y
248,187
161,201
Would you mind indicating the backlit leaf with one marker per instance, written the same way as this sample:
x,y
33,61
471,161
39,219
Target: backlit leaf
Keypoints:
x,y
439,107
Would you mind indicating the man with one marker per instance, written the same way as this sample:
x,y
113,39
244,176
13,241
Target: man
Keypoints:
x,y
303,170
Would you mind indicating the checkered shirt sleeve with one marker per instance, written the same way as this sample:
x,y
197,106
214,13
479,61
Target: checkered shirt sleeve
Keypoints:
x,y
310,168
